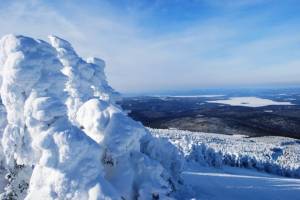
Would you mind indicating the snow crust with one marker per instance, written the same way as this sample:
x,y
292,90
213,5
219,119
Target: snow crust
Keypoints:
x,y
250,102
63,136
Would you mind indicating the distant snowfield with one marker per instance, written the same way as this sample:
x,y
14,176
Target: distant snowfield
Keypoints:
x,y
198,96
250,102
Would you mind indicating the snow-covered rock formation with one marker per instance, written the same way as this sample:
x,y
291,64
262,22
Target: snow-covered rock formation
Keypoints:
x,y
62,135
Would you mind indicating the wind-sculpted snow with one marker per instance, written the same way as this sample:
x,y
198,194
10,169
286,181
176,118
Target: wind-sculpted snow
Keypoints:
x,y
276,155
91,107
33,95
64,137
86,79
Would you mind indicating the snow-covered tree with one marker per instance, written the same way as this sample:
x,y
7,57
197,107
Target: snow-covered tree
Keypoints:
x,y
63,135
133,173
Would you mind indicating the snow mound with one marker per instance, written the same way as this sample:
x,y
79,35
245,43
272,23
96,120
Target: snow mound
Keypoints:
x,y
63,136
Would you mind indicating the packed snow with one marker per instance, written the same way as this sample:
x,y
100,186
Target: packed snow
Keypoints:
x,y
250,102
234,184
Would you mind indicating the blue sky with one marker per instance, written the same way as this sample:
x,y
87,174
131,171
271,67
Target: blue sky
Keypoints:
x,y
172,44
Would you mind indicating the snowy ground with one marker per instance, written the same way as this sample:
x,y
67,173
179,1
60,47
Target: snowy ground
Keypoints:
x,y
233,184
250,102
237,167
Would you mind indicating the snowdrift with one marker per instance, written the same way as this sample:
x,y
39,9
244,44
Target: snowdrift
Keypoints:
x,y
63,136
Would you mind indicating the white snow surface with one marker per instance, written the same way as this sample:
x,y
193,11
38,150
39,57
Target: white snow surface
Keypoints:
x,y
224,167
63,137
230,183
250,102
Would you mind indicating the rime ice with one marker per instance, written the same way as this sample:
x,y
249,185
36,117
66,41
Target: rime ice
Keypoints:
x,y
62,130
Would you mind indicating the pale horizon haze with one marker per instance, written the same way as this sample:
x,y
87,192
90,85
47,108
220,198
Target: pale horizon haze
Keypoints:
x,y
172,44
